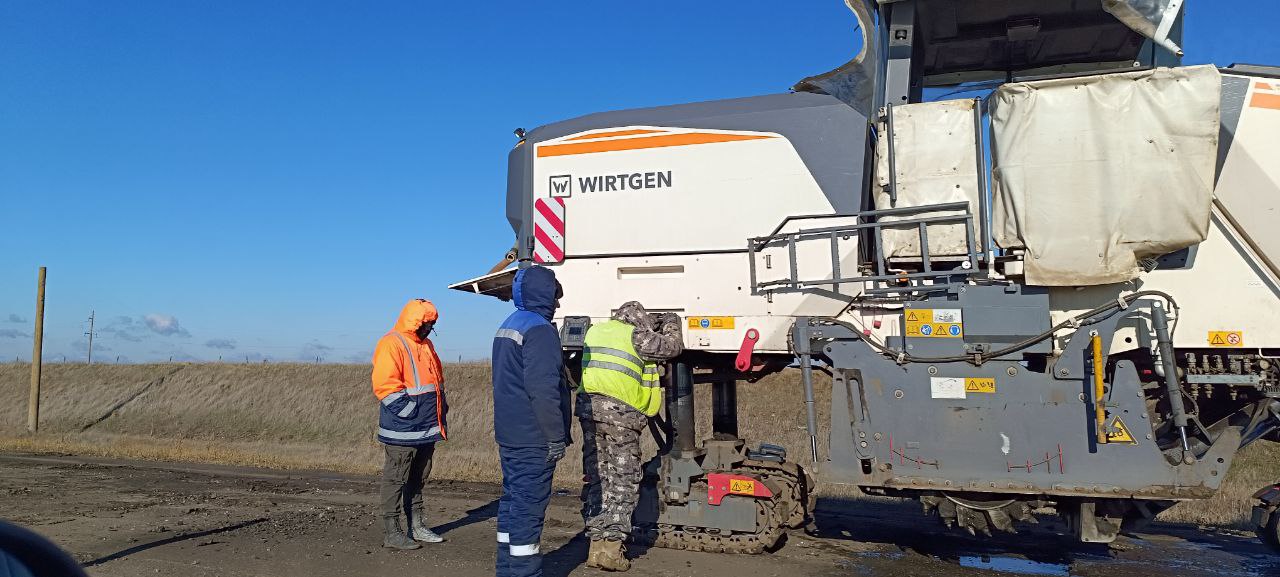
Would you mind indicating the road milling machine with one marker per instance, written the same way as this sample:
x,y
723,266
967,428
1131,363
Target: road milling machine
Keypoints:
x,y
1035,253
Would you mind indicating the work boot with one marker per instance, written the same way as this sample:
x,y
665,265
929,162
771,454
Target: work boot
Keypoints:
x,y
393,537
421,532
607,555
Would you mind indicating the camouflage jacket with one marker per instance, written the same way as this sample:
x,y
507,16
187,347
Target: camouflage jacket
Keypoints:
x,y
657,337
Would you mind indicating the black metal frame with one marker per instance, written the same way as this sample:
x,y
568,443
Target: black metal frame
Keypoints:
x,y
881,282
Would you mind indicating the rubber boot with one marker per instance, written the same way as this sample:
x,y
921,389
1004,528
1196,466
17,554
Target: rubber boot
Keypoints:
x,y
420,531
393,537
607,555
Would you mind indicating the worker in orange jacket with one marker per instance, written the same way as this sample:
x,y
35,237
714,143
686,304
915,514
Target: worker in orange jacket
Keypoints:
x,y
409,383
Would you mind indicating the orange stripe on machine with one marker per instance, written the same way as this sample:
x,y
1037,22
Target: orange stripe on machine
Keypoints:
x,y
1265,100
643,142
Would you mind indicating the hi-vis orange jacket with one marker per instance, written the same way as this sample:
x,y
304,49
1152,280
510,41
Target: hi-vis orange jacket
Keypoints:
x,y
409,381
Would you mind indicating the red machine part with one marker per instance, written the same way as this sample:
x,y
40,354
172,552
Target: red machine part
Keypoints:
x,y
743,361
721,484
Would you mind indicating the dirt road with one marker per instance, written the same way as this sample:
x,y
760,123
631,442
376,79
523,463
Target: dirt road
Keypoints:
x,y
132,518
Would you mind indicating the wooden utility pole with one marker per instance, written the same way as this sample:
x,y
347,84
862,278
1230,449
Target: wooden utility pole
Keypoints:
x,y
33,405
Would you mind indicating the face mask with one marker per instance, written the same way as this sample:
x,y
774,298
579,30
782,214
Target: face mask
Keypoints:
x,y
424,331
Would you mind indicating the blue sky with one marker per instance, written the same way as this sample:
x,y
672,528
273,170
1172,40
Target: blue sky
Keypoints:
x,y
275,179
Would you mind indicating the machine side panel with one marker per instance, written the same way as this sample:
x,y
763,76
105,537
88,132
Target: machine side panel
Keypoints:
x,y
658,205
642,189
519,187
714,288
1235,93
829,136
1248,190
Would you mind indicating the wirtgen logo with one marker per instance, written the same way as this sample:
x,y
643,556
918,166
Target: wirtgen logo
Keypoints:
x,y
561,186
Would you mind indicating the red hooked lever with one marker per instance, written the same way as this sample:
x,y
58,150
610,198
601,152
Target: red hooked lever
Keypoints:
x,y
743,362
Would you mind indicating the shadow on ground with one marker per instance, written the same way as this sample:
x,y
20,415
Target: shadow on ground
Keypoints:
x,y
169,540
477,515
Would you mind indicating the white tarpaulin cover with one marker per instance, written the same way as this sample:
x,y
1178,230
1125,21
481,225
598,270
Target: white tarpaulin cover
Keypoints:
x,y
935,152
1092,174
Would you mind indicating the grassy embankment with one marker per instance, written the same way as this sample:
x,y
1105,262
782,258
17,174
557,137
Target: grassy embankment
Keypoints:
x,y
323,417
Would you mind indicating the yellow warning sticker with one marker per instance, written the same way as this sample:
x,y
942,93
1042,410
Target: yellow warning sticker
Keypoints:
x,y
1119,433
934,323
979,385
1227,339
742,487
712,323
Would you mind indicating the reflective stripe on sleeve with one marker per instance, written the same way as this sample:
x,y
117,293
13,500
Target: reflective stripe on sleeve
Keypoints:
x,y
387,400
504,537
411,436
412,363
614,352
407,410
510,334
614,367
524,550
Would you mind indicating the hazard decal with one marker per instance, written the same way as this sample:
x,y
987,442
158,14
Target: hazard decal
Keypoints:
x,y
1119,433
711,323
548,230
933,323
1226,339
960,387
980,385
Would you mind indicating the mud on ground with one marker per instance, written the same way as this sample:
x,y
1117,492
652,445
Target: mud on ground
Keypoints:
x,y
133,518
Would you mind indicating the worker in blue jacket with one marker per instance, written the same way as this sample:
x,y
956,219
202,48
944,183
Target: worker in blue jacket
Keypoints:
x,y
531,418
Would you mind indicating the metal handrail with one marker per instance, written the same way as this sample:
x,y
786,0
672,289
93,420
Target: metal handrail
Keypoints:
x,y
958,205
942,278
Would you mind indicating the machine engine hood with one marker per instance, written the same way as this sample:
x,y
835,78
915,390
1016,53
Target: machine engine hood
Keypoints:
x,y
1151,18
854,82
958,41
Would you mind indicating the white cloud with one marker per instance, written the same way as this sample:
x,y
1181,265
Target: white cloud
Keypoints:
x,y
166,325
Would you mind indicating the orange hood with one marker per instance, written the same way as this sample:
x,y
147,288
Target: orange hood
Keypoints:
x,y
415,313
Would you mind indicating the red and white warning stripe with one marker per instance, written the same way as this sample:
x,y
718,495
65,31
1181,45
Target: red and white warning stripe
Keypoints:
x,y
548,230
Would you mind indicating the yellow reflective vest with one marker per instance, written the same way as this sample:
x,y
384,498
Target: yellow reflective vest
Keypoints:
x,y
611,366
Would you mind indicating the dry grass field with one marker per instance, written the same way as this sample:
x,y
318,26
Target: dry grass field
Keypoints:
x,y
303,416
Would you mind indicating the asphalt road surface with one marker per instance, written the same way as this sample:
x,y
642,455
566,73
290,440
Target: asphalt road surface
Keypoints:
x,y
132,518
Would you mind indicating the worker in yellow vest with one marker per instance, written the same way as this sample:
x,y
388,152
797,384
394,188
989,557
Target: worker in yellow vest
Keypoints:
x,y
618,394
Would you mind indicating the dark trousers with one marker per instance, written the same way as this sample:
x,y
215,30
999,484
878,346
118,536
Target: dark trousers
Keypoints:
x,y
526,491
590,495
404,474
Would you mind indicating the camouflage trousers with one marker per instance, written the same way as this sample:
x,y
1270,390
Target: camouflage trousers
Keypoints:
x,y
610,464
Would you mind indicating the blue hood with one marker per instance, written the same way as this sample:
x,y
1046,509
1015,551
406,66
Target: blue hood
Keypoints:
x,y
534,290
